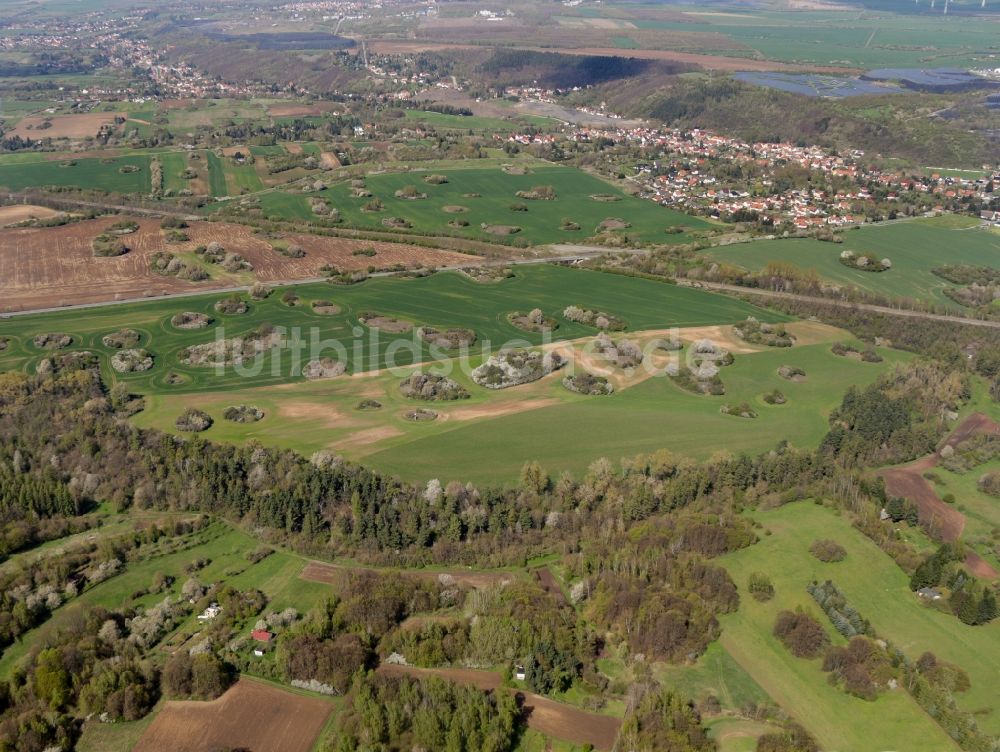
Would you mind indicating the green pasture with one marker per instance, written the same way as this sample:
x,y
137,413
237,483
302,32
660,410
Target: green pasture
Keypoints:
x,y
914,247
496,190
982,511
880,591
93,172
441,300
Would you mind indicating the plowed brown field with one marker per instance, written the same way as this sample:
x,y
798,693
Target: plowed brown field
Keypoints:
x,y
52,267
250,715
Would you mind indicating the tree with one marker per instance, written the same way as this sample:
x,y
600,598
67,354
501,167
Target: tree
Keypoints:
x,y
52,680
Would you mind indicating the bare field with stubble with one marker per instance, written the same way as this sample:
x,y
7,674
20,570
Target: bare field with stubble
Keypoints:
x,y
64,126
54,267
250,715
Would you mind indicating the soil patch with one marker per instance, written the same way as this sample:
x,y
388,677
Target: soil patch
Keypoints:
x,y
11,215
250,715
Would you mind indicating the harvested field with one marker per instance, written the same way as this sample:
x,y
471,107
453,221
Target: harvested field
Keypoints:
x,y
293,110
64,126
53,267
250,715
10,215
908,481
332,574
548,582
550,718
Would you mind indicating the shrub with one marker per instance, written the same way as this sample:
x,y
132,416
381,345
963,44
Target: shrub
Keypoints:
x,y
431,387
827,550
801,634
760,586
243,414
107,246
193,420
775,398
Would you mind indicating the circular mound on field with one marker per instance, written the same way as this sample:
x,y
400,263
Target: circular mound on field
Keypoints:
x,y
586,383
613,223
232,306
605,198
132,361
52,341
323,368
420,415
516,170
447,339
532,321
384,323
243,414
667,345
396,223
458,224
325,307
193,421
108,246
435,179
792,373
369,404
175,379
431,387
121,339
454,209
191,320
509,368
500,230
4,343
410,193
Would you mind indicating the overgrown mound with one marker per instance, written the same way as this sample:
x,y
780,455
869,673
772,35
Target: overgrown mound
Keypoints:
x,y
323,368
533,321
447,339
132,361
52,341
775,398
325,307
389,324
865,262
193,420
232,306
500,230
369,404
792,373
72,361
538,193
703,379
169,265
624,353
435,179
243,414
868,355
586,383
396,223
191,320
509,368
740,410
232,351
420,415
410,193
431,387
486,274
121,339
758,333
215,253
597,319
107,245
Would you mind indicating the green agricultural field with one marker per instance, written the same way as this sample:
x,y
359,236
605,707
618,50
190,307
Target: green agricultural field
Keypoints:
x,y
484,196
880,591
100,173
982,511
914,247
441,300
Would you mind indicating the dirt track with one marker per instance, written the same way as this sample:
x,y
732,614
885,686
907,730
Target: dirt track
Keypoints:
x,y
551,718
250,715
908,482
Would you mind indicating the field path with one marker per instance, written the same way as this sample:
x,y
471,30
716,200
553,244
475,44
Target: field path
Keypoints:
x,y
908,482
541,714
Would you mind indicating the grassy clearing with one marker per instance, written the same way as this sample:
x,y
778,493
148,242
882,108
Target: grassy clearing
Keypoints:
x,y
893,721
914,248
540,223
441,121
982,511
488,437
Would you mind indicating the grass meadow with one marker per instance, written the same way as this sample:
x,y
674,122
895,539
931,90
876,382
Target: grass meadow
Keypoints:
x,y
484,196
880,591
914,247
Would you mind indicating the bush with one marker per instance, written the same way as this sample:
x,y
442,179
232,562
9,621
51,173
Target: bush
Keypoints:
x,y
193,420
827,550
801,634
760,586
